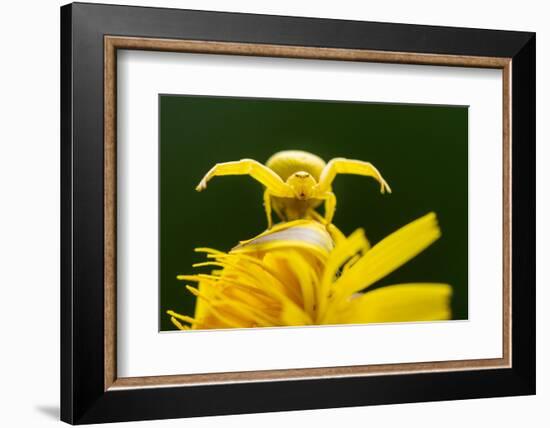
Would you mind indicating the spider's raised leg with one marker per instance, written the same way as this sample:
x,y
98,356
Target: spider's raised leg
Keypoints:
x,y
349,166
250,167
275,186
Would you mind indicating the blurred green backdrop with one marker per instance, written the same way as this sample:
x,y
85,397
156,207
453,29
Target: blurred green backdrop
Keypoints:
x,y
421,150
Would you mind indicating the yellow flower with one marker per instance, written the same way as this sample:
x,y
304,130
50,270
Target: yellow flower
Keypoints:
x,y
301,273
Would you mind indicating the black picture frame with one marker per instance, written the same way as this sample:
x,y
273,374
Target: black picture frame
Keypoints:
x,y
83,396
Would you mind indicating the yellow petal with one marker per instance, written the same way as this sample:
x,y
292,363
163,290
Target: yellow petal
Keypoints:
x,y
305,278
399,303
343,252
388,255
301,273
277,228
308,235
292,315
277,262
201,307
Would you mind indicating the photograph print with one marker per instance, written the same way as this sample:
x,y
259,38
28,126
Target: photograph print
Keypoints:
x,y
287,212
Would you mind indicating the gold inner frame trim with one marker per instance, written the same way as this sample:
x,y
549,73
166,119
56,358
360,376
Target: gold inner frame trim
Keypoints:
x,y
113,43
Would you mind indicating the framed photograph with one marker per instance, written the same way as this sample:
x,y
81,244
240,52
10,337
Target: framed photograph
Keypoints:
x,y
265,213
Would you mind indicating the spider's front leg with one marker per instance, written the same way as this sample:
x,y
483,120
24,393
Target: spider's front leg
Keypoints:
x,y
330,206
252,168
274,185
267,207
349,166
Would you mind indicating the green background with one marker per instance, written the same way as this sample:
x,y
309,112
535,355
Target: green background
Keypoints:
x,y
421,150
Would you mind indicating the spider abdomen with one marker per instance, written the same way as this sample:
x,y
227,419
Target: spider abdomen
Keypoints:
x,y
288,162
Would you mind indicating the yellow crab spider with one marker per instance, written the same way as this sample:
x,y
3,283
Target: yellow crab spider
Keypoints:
x,y
296,182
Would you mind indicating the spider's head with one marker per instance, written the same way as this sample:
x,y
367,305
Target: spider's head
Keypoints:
x,y
302,183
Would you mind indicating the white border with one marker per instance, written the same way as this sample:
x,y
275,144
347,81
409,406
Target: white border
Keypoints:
x,y
143,351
